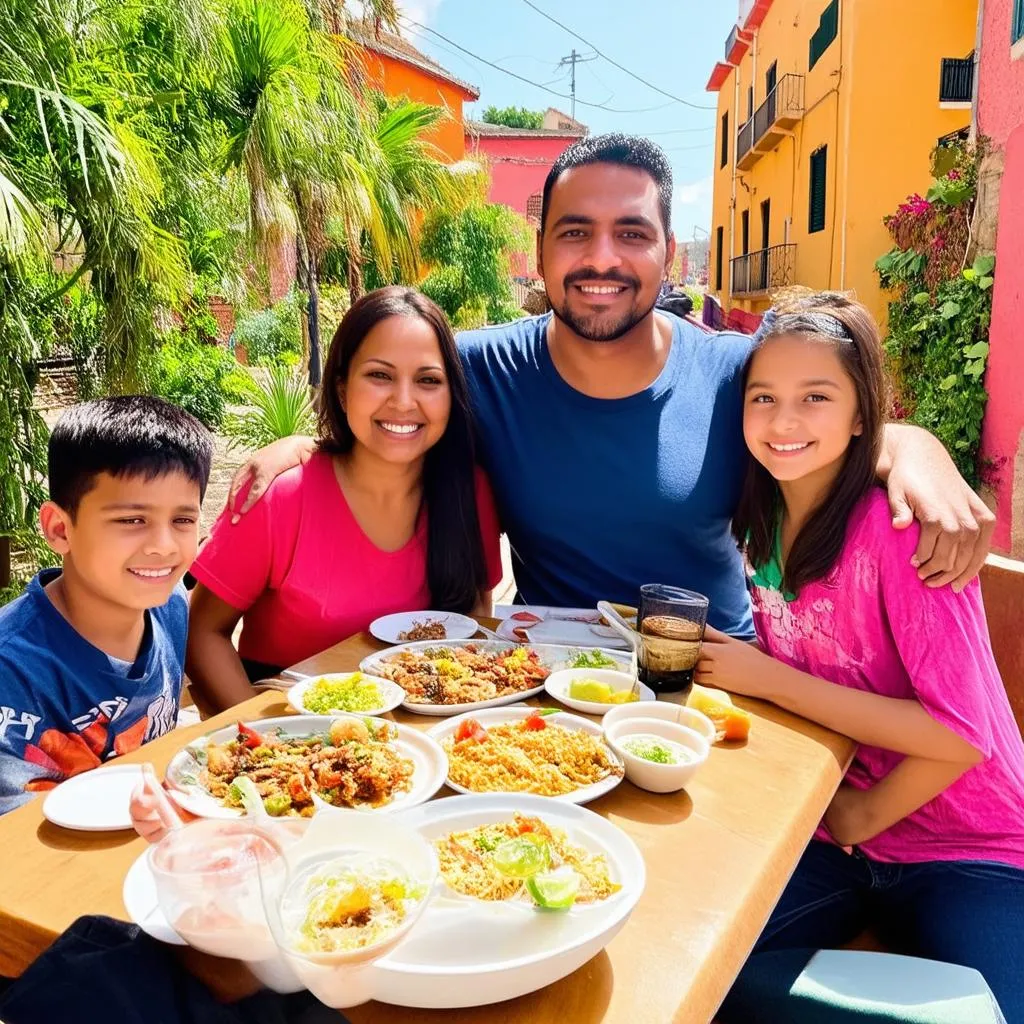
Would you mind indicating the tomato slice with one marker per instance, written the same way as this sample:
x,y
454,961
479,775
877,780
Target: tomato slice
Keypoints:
x,y
249,737
534,723
470,729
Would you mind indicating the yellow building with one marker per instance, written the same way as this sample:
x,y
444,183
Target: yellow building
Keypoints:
x,y
827,115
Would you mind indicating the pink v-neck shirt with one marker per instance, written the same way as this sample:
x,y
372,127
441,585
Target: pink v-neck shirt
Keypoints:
x,y
306,576
871,624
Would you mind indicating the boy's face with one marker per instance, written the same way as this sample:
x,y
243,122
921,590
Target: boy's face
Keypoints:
x,y
131,539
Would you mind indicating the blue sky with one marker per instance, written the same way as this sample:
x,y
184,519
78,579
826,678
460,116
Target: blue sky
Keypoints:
x,y
671,43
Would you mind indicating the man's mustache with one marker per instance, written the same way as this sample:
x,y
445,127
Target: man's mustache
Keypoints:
x,y
589,276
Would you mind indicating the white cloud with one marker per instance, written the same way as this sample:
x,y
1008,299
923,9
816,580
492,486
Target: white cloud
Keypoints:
x,y
422,11
695,192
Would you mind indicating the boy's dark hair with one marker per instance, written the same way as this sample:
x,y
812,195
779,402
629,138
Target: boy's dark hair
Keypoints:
x,y
615,148
125,435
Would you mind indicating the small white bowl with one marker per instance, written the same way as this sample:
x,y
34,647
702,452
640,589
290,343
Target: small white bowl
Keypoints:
x,y
649,775
557,686
391,694
664,711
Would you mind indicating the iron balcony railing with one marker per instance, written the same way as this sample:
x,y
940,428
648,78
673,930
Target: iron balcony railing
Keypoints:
x,y
783,106
730,41
764,270
956,80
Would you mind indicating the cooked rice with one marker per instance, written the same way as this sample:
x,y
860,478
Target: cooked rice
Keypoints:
x,y
468,869
549,762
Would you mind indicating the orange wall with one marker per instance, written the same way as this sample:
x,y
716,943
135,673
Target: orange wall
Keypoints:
x,y
395,78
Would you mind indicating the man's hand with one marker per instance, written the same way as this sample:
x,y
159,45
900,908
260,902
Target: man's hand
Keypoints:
x,y
956,525
264,467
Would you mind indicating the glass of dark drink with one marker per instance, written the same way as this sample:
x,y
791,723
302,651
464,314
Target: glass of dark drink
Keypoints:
x,y
670,623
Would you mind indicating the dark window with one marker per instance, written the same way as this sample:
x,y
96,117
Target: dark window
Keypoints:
x,y
1018,20
719,247
766,223
745,229
816,221
725,139
828,28
771,78
750,102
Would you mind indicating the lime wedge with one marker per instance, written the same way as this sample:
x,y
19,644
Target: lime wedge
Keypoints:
x,y
554,890
590,689
521,857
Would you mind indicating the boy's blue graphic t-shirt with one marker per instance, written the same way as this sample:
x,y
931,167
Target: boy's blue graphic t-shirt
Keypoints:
x,y
599,496
64,706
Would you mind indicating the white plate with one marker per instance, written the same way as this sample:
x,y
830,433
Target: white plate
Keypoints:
x,y
456,627
96,800
466,952
143,905
552,656
500,716
429,760
557,686
391,693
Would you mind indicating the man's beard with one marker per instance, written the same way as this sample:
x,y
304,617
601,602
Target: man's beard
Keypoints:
x,y
599,326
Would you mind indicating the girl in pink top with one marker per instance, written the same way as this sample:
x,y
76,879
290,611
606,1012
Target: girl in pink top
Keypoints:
x,y
390,514
924,841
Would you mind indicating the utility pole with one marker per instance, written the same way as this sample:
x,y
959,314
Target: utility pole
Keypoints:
x,y
572,60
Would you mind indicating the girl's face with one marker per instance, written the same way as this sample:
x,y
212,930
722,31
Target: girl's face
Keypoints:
x,y
396,398
800,408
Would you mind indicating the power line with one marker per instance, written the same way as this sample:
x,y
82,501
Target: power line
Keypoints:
x,y
571,61
681,131
537,85
614,63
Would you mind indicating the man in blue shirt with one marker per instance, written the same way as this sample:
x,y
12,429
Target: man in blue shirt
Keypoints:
x,y
612,434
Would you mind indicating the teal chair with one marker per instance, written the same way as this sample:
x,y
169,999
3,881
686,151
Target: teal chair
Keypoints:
x,y
841,986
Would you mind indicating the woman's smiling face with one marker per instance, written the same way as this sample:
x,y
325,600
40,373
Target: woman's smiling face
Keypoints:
x,y
396,398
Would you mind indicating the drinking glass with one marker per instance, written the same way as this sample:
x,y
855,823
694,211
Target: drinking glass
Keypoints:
x,y
670,624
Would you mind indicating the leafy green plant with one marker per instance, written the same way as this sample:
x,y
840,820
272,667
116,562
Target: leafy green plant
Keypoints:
x,y
514,117
192,374
469,251
937,342
273,337
279,407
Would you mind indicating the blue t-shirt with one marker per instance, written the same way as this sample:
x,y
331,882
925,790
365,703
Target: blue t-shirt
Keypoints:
x,y
599,496
64,707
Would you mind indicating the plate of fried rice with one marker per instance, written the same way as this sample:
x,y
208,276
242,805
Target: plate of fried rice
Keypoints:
x,y
541,751
482,939
455,677
304,763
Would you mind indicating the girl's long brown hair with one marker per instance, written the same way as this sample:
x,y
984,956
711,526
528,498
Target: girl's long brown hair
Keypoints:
x,y
456,568
821,539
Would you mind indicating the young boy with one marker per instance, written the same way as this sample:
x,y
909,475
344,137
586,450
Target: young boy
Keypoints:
x,y
92,655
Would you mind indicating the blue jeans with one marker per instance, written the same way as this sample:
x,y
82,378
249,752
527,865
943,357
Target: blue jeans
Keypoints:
x,y
960,912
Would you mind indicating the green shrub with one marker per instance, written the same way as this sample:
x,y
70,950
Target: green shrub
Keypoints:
x,y
273,337
278,407
192,374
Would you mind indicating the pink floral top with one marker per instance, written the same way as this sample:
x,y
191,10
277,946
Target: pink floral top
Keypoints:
x,y
871,624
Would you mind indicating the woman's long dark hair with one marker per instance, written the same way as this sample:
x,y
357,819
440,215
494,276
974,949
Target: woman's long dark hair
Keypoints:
x,y
456,571
848,327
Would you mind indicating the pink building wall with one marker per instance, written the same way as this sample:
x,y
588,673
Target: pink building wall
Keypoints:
x,y
518,167
1001,119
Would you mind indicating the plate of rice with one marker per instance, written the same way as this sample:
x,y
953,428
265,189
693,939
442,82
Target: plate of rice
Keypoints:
x,y
352,692
529,750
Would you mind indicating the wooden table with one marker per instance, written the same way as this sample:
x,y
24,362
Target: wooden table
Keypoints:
x,y
718,857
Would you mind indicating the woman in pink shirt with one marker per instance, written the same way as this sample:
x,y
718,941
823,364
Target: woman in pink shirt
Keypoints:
x,y
924,841
389,514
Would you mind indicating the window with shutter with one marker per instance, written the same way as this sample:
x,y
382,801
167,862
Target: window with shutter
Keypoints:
x,y
828,28
719,254
725,138
816,221
1018,20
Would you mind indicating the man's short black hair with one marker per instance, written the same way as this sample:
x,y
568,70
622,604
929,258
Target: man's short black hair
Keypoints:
x,y
125,435
615,148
